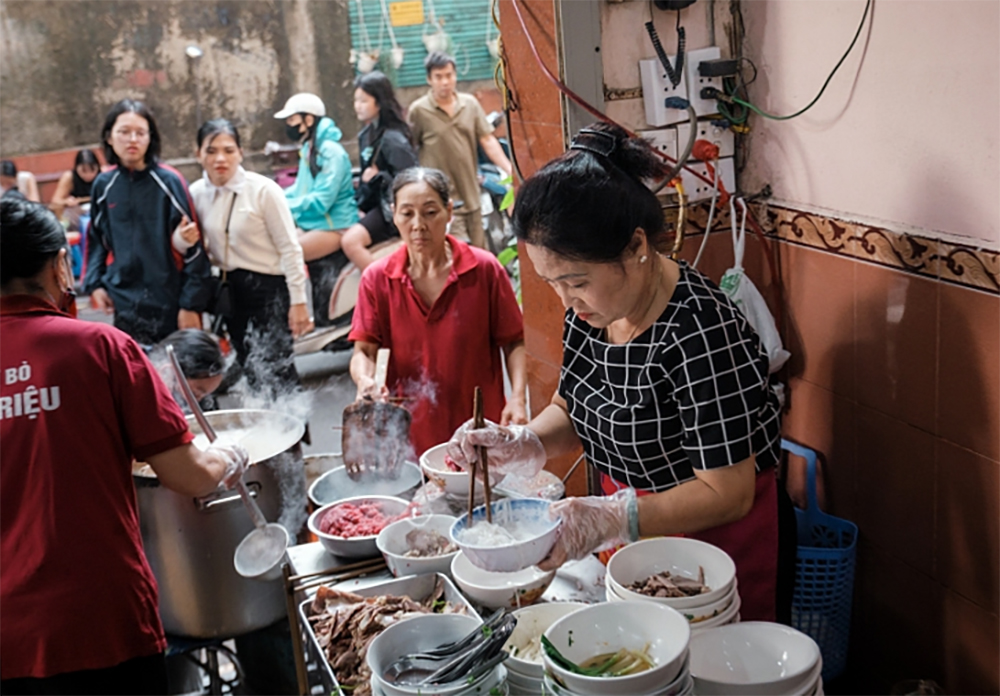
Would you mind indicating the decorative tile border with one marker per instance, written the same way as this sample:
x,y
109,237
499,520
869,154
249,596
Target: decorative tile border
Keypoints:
x,y
954,263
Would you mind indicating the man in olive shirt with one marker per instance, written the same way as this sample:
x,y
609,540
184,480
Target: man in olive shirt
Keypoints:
x,y
447,127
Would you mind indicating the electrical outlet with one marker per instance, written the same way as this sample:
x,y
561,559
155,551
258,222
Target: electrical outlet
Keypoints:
x,y
720,137
696,82
656,88
664,140
697,190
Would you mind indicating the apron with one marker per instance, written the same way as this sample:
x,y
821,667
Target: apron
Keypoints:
x,y
751,542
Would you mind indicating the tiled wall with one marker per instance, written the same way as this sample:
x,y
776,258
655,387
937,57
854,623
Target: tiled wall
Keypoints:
x,y
894,379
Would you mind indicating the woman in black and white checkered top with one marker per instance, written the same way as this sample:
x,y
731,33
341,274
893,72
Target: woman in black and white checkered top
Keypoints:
x,y
663,383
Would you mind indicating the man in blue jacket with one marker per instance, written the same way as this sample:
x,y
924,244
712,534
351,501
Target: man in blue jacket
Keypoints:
x,y
137,207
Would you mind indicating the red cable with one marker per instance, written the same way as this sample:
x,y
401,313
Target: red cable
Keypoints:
x,y
561,86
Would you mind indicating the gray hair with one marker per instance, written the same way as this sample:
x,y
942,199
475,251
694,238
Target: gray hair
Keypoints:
x,y
434,178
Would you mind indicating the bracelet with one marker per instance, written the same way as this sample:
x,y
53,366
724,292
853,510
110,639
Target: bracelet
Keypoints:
x,y
633,515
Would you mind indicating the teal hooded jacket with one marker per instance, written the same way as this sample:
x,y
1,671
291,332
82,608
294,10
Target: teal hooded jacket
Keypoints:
x,y
326,201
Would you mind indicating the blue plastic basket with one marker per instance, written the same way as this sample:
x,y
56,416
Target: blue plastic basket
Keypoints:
x,y
824,573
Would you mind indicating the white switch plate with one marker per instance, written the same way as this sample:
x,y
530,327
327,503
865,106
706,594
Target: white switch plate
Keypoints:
x,y
697,190
702,107
664,140
656,87
721,137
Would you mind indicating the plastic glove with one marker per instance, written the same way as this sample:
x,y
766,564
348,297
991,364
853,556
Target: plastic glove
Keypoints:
x,y
590,524
512,449
236,459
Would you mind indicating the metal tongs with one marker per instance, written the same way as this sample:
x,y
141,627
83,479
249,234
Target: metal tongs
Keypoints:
x,y
468,658
260,553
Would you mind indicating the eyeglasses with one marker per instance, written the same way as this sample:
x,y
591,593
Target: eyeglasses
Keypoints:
x,y
125,134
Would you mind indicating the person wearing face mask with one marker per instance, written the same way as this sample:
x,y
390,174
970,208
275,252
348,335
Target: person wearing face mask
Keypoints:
x,y
250,236
664,383
322,197
79,402
137,207
447,312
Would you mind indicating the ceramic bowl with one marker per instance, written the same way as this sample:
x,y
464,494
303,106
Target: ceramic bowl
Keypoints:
x,y
454,483
514,556
531,624
696,615
360,546
756,657
336,485
606,628
678,555
391,541
495,590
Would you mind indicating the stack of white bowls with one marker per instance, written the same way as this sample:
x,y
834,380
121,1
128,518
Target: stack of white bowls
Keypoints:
x,y
661,632
753,658
524,674
423,633
678,556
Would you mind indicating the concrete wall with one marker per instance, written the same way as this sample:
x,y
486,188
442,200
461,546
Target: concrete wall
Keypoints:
x,y
907,133
64,64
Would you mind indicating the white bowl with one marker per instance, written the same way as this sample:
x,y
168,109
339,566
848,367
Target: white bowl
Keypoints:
x,y
413,635
495,590
517,555
679,556
682,684
335,485
727,617
391,541
608,627
482,687
360,546
454,483
756,657
531,624
695,615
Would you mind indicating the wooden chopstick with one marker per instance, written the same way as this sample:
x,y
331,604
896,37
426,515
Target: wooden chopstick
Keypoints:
x,y
339,569
372,567
477,415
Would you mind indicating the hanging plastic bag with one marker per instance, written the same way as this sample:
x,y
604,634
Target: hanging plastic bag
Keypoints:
x,y
747,297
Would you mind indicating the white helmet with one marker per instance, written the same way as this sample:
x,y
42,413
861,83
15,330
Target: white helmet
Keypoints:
x,y
302,103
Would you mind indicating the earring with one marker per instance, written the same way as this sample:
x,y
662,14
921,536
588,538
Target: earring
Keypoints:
x,y
642,259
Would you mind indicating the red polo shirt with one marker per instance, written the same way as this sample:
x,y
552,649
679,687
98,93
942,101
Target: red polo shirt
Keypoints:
x,y
440,354
78,401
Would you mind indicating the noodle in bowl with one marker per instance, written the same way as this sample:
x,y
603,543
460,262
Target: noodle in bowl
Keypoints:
x,y
522,534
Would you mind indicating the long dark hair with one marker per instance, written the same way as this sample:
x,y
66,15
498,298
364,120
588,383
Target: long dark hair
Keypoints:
x,y
587,203
139,109
435,178
390,114
88,159
31,236
197,351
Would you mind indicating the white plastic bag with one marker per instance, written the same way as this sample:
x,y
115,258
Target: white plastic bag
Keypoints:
x,y
747,297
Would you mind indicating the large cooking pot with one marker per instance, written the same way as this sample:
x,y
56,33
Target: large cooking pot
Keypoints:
x,y
190,542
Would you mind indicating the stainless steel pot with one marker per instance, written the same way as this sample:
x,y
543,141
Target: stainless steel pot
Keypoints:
x,y
190,542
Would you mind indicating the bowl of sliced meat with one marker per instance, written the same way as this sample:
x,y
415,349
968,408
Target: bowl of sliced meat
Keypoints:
x,y
678,572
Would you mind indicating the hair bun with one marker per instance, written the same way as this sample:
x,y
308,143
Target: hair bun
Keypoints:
x,y
633,156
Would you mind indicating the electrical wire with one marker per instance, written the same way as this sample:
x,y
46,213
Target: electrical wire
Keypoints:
x,y
711,214
808,106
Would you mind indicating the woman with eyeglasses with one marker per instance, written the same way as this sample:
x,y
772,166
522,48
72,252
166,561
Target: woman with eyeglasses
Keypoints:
x,y
137,207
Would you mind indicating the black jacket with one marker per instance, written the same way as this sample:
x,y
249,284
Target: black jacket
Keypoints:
x,y
134,214
390,151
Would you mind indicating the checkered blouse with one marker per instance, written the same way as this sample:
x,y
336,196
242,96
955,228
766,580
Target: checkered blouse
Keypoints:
x,y
691,392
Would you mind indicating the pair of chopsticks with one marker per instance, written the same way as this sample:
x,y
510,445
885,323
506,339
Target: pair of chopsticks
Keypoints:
x,y
478,421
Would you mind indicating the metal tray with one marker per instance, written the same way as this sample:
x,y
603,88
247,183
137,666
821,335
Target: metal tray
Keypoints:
x,y
416,587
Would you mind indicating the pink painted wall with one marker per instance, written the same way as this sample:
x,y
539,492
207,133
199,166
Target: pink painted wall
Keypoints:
x,y
906,133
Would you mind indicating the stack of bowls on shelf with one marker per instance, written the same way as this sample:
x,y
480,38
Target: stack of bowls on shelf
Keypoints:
x,y
756,657
718,606
525,668
658,631
423,633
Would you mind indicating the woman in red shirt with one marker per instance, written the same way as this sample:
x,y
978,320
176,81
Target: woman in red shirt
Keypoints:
x,y
447,311
78,402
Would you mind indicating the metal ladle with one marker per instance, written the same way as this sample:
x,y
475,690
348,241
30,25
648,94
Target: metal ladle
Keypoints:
x,y
261,552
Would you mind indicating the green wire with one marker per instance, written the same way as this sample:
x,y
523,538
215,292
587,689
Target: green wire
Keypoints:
x,y
763,113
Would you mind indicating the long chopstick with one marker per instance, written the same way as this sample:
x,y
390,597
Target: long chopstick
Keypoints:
x,y
477,415
340,577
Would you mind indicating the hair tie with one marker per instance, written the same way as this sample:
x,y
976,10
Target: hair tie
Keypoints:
x,y
594,141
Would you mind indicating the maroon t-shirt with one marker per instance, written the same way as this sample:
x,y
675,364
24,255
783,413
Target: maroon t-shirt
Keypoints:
x,y
78,401
440,354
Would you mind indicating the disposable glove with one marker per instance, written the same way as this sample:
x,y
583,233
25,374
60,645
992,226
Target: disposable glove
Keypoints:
x,y
236,458
511,449
590,524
